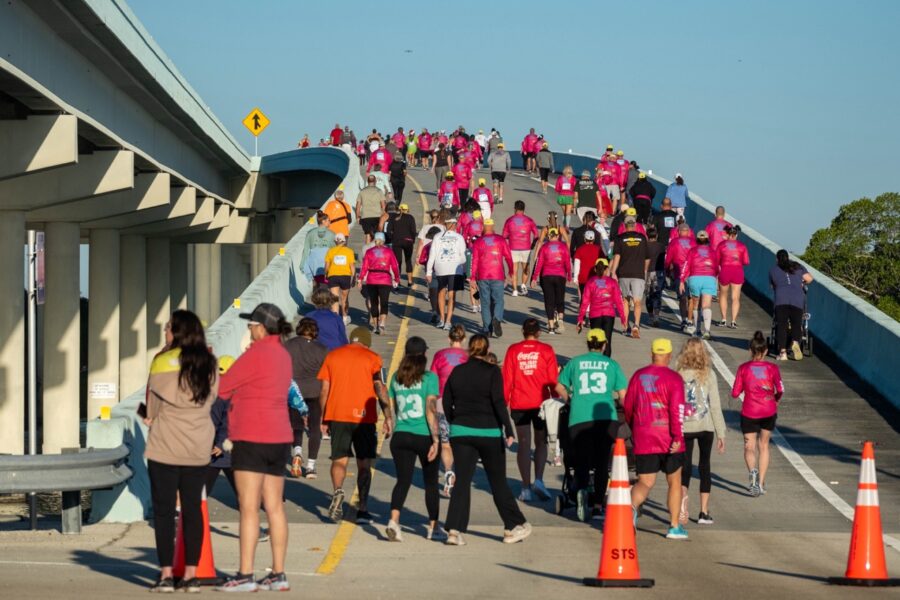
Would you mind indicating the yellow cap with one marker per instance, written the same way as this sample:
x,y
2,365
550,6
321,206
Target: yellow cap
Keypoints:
x,y
476,214
642,176
488,221
631,211
601,261
501,145
449,175
609,148
553,231
225,363
596,333
620,153
661,346
482,181
404,206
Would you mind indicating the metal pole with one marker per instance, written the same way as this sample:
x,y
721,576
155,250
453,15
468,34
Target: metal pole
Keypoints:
x,y
32,365
256,145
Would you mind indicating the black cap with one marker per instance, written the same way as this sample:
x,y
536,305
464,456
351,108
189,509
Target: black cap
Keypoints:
x,y
416,345
266,314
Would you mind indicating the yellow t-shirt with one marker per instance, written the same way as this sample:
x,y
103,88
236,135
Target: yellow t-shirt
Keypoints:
x,y
339,261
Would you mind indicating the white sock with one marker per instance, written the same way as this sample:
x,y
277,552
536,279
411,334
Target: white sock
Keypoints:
x,y
697,318
310,463
297,451
707,318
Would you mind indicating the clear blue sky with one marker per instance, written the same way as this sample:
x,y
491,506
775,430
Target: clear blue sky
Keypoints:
x,y
780,110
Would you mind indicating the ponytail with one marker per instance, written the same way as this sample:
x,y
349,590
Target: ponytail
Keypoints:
x,y
758,345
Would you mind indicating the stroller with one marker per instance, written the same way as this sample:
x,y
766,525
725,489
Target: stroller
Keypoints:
x,y
567,497
806,339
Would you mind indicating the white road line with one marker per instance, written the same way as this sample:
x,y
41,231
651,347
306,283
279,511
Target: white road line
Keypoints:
x,y
792,456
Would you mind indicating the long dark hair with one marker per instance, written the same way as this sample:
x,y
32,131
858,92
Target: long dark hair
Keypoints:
x,y
758,344
784,262
411,369
198,365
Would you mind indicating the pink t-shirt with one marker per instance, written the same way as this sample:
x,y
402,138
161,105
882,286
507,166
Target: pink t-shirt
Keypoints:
x,y
489,252
448,193
732,253
399,139
520,231
677,251
442,365
716,231
565,186
482,195
602,298
700,261
673,233
425,142
553,260
462,171
654,409
459,142
379,264
530,143
761,384
472,230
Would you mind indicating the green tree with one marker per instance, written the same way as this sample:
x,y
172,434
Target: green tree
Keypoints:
x,y
861,250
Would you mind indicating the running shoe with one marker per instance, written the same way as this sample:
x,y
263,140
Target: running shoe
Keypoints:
x,y
540,490
683,513
363,517
733,325
560,324
190,586
434,319
597,514
393,532
346,319
515,293
706,335
376,330
436,534
753,488
274,582
336,510
557,461
705,519
762,490
297,466
677,533
263,536
238,583
449,481
581,506
454,538
517,534
721,323
439,324
795,351
782,356
690,329
523,289
525,495
497,328
310,473
163,585
448,326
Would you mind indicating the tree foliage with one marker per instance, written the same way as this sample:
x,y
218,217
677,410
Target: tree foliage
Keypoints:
x,y
861,250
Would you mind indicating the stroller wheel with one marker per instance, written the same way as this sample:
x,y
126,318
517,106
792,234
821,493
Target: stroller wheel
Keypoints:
x,y
560,504
808,346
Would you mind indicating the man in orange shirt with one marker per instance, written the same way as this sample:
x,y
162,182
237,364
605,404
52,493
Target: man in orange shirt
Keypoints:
x,y
338,212
352,382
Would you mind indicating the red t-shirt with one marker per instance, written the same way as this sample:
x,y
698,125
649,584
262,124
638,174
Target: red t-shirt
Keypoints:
x,y
529,374
336,134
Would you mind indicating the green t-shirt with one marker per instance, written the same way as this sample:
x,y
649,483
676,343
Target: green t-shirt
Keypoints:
x,y
591,380
410,403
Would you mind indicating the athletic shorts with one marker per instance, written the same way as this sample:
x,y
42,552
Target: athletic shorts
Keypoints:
x,y
545,173
528,155
632,287
521,256
344,282
353,439
702,285
454,283
498,176
521,418
731,276
749,425
255,457
422,153
443,428
645,464
369,225
613,191
565,200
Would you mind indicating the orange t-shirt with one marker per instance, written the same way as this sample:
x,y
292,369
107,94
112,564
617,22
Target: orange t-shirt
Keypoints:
x,y
351,371
339,217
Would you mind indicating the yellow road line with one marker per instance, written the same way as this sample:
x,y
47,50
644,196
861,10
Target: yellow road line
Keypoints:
x,y
341,540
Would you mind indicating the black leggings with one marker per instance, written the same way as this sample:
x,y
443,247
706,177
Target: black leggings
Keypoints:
x,y
784,314
212,475
405,448
167,483
398,185
314,421
466,452
403,251
606,324
592,445
705,443
554,287
463,196
643,208
378,296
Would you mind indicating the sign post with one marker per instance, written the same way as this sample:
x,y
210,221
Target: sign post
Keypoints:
x,y
256,122
35,297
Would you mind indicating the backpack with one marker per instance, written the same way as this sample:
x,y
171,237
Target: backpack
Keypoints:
x,y
696,401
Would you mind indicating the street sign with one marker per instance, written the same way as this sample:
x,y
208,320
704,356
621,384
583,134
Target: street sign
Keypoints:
x,y
256,121
39,276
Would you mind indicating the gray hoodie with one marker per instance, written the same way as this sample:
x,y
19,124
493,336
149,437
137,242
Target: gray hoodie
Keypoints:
x,y
703,413
545,160
499,161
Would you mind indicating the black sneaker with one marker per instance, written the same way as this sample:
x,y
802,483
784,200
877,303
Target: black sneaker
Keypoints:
x,y
164,585
705,519
238,583
191,586
498,329
274,582
336,509
434,319
363,517
721,323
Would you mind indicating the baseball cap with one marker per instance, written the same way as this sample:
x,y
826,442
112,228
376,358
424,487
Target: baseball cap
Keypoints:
x,y
677,175
266,314
596,333
488,221
630,220
449,175
340,237
702,235
620,153
642,176
661,346
482,181
589,235
416,345
544,145
404,206
379,235
609,148
631,211
361,335
586,173
450,219
476,214
501,145
225,362
601,261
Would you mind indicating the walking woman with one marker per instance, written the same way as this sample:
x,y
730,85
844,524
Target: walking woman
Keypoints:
x,y
788,280
260,429
565,192
181,390
703,421
379,274
442,364
698,276
414,392
760,382
479,427
307,356
601,302
733,257
332,331
401,230
553,268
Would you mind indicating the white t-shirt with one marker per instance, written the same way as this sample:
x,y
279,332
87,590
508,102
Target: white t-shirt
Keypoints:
x,y
448,255
423,233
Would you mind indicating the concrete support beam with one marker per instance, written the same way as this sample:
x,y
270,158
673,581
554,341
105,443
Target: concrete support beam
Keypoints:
x,y
200,220
103,321
150,190
183,204
36,143
12,333
133,315
62,338
178,276
158,294
200,283
95,174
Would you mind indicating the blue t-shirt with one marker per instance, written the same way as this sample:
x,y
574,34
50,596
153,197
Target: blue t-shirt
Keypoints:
x,y
788,286
678,194
332,333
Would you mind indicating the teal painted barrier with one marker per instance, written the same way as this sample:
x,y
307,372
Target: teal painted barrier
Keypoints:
x,y
282,283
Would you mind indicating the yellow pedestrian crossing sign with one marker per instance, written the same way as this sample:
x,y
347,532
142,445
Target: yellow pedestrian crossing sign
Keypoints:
x,y
256,121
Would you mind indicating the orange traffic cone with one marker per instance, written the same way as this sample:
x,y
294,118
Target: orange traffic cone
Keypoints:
x,y
618,555
865,564
206,568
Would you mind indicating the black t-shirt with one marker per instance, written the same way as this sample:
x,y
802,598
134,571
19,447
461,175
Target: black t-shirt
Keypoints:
x,y
587,192
402,229
665,223
615,226
397,168
631,247
656,251
441,158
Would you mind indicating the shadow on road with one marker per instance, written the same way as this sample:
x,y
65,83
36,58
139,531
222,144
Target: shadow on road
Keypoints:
x,y
139,570
774,572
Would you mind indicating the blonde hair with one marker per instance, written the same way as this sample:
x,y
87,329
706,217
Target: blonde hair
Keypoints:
x,y
693,356
567,170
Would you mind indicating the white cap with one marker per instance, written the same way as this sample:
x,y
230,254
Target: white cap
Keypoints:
x,y
677,175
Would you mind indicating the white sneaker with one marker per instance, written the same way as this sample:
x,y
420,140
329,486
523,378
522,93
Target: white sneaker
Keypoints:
x,y
393,532
541,490
523,289
525,495
515,293
454,538
346,319
517,534
436,534
475,308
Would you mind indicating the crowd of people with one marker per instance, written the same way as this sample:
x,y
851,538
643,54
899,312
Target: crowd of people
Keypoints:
x,y
248,417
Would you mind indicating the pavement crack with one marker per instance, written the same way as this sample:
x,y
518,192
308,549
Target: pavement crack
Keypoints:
x,y
116,539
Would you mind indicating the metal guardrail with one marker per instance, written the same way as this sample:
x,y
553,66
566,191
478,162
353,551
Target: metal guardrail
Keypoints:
x,y
69,473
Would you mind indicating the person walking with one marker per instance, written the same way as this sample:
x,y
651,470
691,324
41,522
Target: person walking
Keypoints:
x,y
479,426
441,164
630,265
653,407
643,193
565,192
181,389
733,257
315,246
499,163
545,166
397,178
788,280
379,274
332,331
339,216
588,197
585,257
676,255
521,233
340,266
665,221
715,229
402,231
601,302
307,356
698,276
443,363
489,253
352,384
414,393
678,195
656,275
553,268
591,383
760,383
703,423
370,204
260,431
529,373
448,192
447,261
484,197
